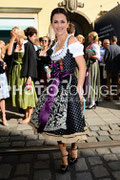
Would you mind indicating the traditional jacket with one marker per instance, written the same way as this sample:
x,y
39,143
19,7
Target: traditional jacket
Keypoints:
x,y
29,61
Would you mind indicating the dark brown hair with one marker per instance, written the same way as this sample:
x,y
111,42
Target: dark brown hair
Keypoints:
x,y
71,28
59,11
30,31
40,39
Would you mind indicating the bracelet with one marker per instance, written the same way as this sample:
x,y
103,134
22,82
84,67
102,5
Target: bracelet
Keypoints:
x,y
46,67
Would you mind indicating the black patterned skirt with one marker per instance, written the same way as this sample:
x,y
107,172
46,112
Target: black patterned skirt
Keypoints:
x,y
65,122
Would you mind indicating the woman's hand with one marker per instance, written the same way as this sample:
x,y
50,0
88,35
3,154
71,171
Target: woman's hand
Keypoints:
x,y
13,35
80,95
87,74
4,66
49,75
48,71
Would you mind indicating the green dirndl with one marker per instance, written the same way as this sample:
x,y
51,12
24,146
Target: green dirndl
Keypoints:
x,y
21,96
94,81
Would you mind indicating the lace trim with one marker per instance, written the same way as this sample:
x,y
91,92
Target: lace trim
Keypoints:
x,y
62,52
72,138
75,48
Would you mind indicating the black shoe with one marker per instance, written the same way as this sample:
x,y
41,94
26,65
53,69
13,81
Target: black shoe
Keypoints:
x,y
72,159
96,102
63,167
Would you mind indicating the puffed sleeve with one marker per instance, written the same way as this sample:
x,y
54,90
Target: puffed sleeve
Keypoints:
x,y
96,48
76,49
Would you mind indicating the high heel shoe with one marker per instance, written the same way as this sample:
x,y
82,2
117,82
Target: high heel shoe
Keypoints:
x,y
91,106
63,167
73,160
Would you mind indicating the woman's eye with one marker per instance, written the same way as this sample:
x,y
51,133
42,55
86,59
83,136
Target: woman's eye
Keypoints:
x,y
62,21
55,21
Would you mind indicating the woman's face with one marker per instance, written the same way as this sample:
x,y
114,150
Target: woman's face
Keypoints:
x,y
90,39
33,38
60,24
81,40
45,41
13,32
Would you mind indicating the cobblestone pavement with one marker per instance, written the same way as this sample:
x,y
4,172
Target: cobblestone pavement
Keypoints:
x,y
34,163
92,164
103,125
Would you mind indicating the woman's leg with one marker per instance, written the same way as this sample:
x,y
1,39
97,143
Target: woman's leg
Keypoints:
x,y
74,153
2,105
64,152
28,113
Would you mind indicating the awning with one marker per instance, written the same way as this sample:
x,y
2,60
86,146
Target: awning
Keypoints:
x,y
9,23
109,24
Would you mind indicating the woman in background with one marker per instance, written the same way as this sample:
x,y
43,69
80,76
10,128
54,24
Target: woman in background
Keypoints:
x,y
93,54
23,68
42,61
4,91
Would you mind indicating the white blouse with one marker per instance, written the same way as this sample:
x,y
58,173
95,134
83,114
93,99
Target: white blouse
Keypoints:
x,y
76,49
96,48
22,47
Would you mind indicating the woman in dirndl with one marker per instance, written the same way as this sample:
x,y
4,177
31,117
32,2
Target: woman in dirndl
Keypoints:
x,y
23,69
4,91
58,112
93,73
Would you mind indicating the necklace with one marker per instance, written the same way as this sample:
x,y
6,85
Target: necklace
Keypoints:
x,y
60,52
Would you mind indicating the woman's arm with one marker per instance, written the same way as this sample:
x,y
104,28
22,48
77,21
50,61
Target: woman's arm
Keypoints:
x,y
82,67
95,57
96,48
81,76
10,47
0,55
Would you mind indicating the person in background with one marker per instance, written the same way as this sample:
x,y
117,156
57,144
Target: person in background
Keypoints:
x,y
100,43
58,112
4,91
31,34
81,38
112,61
42,61
23,68
93,54
103,75
71,29
40,42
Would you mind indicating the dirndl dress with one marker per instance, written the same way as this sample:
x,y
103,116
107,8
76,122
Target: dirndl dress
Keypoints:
x,y
21,96
93,89
57,115
4,89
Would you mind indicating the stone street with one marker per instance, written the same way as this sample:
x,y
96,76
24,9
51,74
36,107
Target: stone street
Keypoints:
x,y
103,125
26,155
92,164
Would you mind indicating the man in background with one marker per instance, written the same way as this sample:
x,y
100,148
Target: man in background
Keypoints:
x,y
112,61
